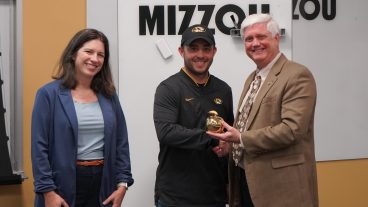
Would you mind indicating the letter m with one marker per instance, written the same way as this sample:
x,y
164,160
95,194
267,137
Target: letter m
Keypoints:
x,y
145,17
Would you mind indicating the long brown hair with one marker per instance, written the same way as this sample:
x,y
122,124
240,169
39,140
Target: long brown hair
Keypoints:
x,y
66,71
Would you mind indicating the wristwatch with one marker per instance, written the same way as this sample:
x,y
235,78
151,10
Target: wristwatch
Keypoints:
x,y
122,184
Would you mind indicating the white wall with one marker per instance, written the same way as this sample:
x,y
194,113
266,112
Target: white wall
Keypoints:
x,y
333,50
336,52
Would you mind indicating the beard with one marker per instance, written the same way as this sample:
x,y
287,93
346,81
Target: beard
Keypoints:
x,y
201,72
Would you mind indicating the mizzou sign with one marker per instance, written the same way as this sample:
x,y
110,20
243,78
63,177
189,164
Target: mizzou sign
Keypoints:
x,y
155,17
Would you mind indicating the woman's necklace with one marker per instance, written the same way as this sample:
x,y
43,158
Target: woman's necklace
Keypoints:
x,y
84,96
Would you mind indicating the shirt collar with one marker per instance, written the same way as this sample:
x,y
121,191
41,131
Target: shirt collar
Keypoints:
x,y
186,72
263,72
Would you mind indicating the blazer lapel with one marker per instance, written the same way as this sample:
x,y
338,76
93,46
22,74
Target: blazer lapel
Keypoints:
x,y
69,109
269,82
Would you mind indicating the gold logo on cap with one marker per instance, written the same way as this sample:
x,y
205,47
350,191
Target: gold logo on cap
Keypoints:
x,y
217,101
198,29
189,99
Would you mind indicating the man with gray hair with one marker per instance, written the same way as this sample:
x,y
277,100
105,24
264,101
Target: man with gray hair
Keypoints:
x,y
272,161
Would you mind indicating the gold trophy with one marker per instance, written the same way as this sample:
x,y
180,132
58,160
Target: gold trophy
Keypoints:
x,y
213,122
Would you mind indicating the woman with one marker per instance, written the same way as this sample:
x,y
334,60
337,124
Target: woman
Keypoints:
x,y
80,150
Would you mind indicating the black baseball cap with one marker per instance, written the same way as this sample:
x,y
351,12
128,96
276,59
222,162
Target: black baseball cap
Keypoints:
x,y
197,31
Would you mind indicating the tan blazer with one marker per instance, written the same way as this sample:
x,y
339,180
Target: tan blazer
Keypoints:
x,y
279,155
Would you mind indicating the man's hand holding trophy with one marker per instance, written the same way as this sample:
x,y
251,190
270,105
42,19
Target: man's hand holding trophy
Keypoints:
x,y
214,124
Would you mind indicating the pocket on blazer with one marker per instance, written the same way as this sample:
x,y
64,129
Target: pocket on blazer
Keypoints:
x,y
288,161
268,99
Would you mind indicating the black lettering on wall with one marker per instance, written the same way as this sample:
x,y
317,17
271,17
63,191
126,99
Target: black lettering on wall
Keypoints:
x,y
154,19
189,11
314,14
252,9
325,13
295,16
145,17
265,8
171,20
221,13
208,11
328,9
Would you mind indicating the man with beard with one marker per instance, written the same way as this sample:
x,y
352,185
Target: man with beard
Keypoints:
x,y
192,168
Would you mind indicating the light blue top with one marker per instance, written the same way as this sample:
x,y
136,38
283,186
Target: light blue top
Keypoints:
x,y
90,131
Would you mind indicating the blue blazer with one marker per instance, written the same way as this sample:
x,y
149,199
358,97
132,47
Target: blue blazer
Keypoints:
x,y
55,138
